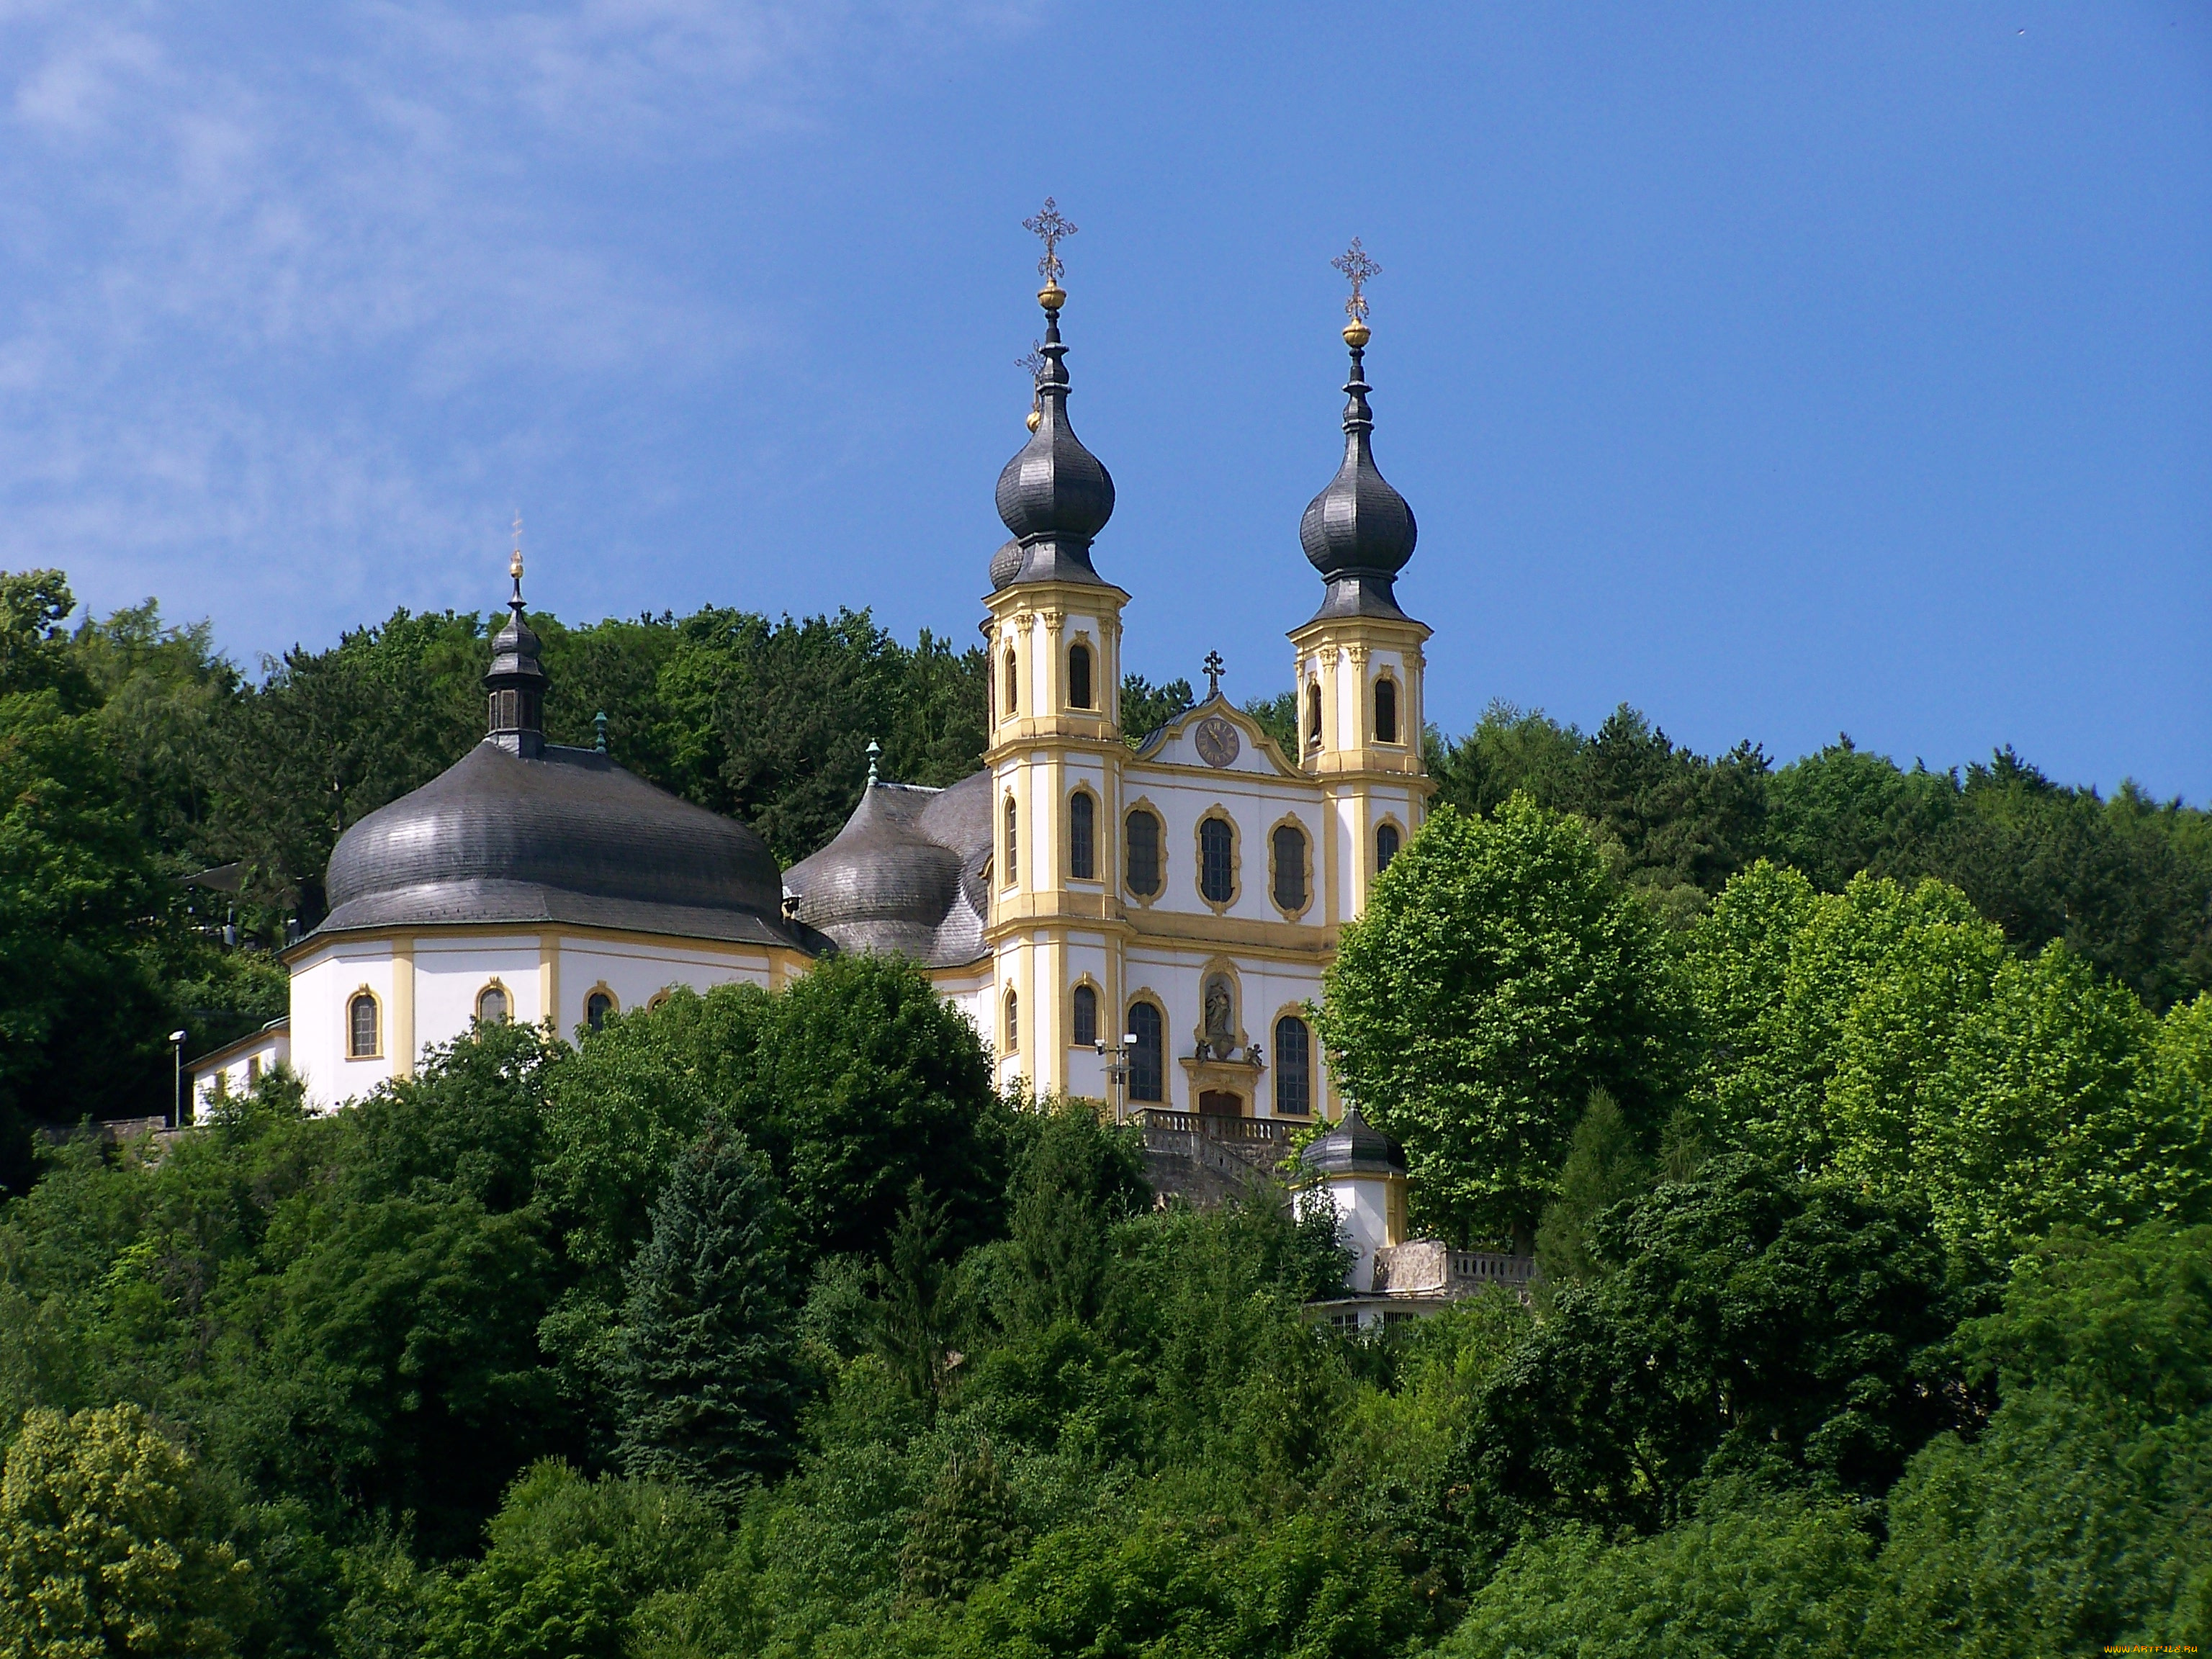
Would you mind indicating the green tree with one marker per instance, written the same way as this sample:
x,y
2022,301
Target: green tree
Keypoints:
x,y
1499,975
1146,707
1077,1179
34,653
571,1565
1778,1575
81,1020
1752,1326
2081,1515
965,1532
112,1541
709,1389
1603,1167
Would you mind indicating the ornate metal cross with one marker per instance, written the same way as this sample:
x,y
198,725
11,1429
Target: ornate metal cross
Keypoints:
x,y
1214,667
1359,270
1052,229
1032,360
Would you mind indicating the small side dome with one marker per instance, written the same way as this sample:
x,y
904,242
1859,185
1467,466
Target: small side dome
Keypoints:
x,y
1353,1147
1005,565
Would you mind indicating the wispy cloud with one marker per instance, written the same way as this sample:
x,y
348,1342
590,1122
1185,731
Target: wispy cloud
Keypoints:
x,y
266,274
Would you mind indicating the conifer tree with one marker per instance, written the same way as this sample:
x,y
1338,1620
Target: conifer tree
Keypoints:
x,y
965,1532
1602,1168
708,1385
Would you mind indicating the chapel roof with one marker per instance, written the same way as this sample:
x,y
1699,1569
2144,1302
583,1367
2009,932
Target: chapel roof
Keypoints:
x,y
562,836
906,874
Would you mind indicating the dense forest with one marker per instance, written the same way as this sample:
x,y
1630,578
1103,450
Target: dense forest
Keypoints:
x,y
1859,1117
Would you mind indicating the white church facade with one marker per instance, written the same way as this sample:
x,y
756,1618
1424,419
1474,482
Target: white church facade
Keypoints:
x,y
1143,923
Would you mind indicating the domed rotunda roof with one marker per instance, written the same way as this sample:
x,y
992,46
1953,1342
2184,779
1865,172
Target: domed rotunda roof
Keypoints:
x,y
521,832
565,836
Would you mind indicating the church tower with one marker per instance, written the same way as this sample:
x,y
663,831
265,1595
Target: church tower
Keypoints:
x,y
1056,753
1359,660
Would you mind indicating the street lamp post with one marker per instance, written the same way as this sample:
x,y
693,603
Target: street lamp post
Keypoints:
x,y
177,1083
1117,1072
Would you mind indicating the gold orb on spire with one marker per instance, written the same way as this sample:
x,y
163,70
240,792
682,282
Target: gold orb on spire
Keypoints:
x,y
1359,269
1036,419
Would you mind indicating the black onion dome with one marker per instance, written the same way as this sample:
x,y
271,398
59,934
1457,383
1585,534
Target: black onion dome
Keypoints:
x,y
1358,533
1055,496
1005,564
564,836
1353,1147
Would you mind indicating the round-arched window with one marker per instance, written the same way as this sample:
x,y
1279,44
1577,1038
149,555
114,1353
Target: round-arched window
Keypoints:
x,y
1293,1067
1142,859
1147,1061
361,1026
1013,685
1313,716
1385,847
1079,676
1083,836
1386,711
1013,1023
1013,819
492,1007
1217,860
1086,1009
596,1007
1289,843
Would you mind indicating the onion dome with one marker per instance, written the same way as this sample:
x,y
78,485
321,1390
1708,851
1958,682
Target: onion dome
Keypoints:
x,y
1353,1147
1005,564
1055,496
515,684
1358,533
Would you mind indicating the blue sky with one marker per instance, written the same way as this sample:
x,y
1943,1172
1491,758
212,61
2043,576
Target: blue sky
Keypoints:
x,y
1781,370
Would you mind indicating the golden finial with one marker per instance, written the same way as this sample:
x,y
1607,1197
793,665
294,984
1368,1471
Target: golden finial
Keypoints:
x,y
1048,224
514,564
1034,361
1359,270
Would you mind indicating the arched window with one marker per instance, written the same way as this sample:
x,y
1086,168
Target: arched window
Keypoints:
x,y
1313,716
1086,1009
1290,866
1142,862
1078,675
596,1007
361,1027
1217,860
1386,711
1083,836
1293,1067
492,1005
1014,683
1385,847
1011,822
1147,1066
1013,1023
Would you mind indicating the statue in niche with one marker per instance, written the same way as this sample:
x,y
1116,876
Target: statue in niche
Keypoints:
x,y
1220,1007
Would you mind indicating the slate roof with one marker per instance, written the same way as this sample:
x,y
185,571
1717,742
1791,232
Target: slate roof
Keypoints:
x,y
906,874
564,835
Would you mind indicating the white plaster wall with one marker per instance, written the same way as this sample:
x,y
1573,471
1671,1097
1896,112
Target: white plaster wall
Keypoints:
x,y
237,1075
1176,979
1254,804
322,984
635,972
449,972
1362,1205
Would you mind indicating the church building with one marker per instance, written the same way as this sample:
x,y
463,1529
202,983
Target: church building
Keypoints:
x,y
1142,923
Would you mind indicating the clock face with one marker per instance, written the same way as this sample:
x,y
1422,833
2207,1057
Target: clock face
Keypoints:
x,y
1218,741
